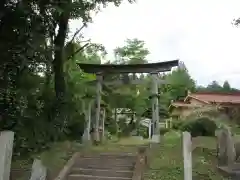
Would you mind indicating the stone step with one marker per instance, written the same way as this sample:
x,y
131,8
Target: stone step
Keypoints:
x,y
102,172
118,154
109,155
104,166
115,162
89,177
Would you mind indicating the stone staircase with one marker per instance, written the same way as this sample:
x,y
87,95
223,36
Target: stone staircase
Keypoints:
x,y
103,166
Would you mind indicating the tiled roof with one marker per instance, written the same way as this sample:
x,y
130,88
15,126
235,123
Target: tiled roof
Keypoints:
x,y
233,98
181,104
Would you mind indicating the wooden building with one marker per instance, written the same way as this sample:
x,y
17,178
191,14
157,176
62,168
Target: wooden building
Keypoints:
x,y
228,103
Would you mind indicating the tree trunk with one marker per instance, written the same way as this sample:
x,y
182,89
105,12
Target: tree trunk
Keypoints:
x,y
60,86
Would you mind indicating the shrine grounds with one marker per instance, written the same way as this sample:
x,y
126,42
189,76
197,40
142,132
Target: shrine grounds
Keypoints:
x,y
166,164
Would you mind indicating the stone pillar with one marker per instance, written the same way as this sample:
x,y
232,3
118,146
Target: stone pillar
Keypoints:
x,y
155,109
6,146
149,129
98,108
103,123
170,123
87,113
187,155
115,119
225,147
39,172
231,151
166,123
85,134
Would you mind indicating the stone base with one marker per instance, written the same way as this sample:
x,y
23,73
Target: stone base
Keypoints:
x,y
232,171
156,138
86,139
87,142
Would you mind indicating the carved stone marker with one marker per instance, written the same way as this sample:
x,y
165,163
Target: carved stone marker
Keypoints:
x,y
187,155
231,152
226,147
6,146
39,172
221,147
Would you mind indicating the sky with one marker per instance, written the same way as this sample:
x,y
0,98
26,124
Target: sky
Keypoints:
x,y
198,32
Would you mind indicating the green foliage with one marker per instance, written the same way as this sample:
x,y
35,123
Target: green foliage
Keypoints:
x,y
214,86
226,86
164,130
179,82
206,111
143,131
200,127
108,135
124,127
41,85
134,52
110,125
177,124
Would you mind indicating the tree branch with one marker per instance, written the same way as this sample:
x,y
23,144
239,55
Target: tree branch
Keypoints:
x,y
78,50
85,41
77,32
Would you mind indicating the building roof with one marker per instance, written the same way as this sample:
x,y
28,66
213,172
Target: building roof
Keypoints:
x,y
230,98
181,104
208,98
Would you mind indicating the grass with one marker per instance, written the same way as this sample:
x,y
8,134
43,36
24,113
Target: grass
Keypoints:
x,y
128,144
168,162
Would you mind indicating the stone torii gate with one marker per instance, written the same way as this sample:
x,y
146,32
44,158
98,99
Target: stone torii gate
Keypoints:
x,y
101,70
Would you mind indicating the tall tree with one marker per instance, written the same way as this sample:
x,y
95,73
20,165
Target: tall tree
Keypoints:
x,y
134,52
226,86
214,86
178,83
34,74
64,11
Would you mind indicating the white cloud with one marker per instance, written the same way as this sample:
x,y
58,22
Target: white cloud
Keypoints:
x,y
198,32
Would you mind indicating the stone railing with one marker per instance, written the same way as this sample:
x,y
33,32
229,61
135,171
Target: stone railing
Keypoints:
x,y
66,169
141,162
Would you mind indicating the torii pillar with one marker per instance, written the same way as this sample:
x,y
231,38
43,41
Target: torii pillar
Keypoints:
x,y
102,124
87,113
155,109
98,107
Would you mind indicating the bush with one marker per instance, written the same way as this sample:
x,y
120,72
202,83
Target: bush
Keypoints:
x,y
143,131
177,124
164,130
124,127
108,135
202,126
